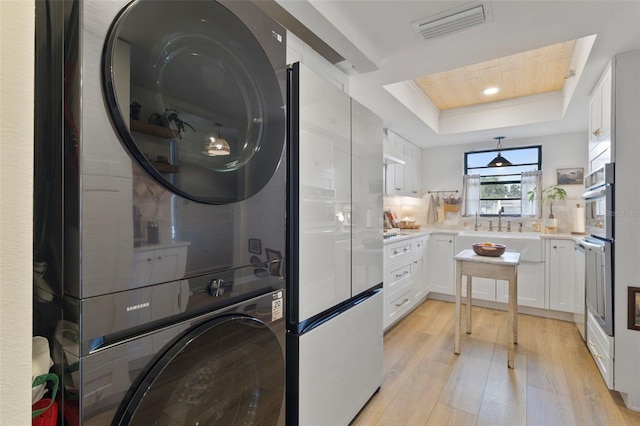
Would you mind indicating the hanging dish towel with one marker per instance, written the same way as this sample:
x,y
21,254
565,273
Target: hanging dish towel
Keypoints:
x,y
440,209
432,212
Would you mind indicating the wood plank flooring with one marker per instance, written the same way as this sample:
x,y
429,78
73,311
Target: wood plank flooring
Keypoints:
x,y
555,381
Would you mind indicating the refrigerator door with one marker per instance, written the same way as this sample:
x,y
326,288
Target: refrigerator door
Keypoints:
x,y
341,364
320,158
366,198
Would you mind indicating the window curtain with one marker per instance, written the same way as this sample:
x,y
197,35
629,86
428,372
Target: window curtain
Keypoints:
x,y
531,181
470,195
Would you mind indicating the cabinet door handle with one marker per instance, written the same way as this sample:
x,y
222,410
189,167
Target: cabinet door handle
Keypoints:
x,y
396,251
596,132
555,247
149,259
415,192
402,274
398,189
159,257
405,249
403,302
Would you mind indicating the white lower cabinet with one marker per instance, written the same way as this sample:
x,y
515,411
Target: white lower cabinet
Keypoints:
x,y
530,286
414,267
419,288
404,283
560,259
481,288
398,303
441,269
579,302
601,348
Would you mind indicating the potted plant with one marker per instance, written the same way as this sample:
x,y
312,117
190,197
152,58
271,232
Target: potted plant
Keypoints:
x,y
549,195
171,119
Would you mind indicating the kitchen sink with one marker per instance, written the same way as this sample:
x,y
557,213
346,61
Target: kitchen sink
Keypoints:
x,y
387,235
508,235
528,244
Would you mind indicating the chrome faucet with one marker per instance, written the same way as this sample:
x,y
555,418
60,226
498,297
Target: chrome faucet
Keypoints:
x,y
500,218
477,225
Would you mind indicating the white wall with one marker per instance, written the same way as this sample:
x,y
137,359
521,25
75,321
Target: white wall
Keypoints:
x,y
627,225
16,186
443,167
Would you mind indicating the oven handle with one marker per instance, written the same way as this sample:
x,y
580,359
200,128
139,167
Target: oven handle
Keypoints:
x,y
595,193
585,244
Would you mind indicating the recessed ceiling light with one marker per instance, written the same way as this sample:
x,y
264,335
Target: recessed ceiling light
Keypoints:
x,y
491,90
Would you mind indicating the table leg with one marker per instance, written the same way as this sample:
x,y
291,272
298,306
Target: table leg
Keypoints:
x,y
468,304
456,348
512,318
515,307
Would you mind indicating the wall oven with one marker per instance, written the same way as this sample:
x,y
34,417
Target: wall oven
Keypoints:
x,y
599,244
599,202
599,280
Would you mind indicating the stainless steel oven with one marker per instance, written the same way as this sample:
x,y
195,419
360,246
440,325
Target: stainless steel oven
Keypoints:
x,y
599,202
599,280
599,199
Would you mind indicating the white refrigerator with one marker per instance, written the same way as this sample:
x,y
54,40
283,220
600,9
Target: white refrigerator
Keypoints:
x,y
334,239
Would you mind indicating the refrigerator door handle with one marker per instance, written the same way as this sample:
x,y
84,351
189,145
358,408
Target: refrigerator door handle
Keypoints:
x,y
323,317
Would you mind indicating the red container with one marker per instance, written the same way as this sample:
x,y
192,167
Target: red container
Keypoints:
x,y
49,417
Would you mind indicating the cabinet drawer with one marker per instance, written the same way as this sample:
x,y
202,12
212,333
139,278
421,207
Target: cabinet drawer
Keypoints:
x,y
398,303
399,250
419,244
601,348
398,274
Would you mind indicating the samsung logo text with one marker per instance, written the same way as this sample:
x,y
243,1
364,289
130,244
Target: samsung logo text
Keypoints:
x,y
138,306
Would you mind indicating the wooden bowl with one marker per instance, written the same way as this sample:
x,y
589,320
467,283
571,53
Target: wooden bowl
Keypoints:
x,y
489,249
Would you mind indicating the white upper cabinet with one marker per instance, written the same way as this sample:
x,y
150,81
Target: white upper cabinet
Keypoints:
x,y
600,122
413,169
404,179
394,179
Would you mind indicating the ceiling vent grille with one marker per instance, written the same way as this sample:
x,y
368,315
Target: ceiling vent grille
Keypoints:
x,y
451,21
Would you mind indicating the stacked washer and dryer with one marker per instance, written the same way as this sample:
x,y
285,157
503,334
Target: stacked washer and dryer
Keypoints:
x,y
159,228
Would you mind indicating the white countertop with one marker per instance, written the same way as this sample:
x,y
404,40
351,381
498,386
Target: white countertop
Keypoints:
x,y
508,258
403,234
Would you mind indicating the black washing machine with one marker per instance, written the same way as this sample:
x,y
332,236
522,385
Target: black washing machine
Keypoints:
x,y
159,193
220,368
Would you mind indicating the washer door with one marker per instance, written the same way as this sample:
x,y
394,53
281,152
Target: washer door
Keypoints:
x,y
195,98
228,371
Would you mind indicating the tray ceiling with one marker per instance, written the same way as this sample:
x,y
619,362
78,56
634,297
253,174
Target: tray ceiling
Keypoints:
x,y
523,74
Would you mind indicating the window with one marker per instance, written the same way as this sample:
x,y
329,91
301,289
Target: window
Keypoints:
x,y
501,186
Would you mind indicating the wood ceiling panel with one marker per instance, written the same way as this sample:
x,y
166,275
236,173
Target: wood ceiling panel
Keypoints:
x,y
528,73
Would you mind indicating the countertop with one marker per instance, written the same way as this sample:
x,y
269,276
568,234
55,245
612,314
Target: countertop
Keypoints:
x,y
404,234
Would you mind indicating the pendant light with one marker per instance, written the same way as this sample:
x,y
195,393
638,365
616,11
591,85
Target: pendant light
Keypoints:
x,y
499,161
217,146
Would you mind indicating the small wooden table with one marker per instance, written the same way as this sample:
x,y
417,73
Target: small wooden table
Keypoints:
x,y
504,267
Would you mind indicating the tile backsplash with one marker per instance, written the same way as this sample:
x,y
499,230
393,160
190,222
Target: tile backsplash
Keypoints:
x,y
413,208
418,209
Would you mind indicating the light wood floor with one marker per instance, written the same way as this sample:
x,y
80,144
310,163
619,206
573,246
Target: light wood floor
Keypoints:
x,y
555,381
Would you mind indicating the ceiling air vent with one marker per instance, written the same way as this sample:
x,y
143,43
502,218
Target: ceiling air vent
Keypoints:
x,y
451,21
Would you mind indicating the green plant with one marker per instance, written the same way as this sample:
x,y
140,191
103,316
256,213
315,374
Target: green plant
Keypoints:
x,y
170,116
549,195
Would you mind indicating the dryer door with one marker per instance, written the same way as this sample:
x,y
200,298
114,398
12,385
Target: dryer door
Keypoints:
x,y
228,371
195,95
